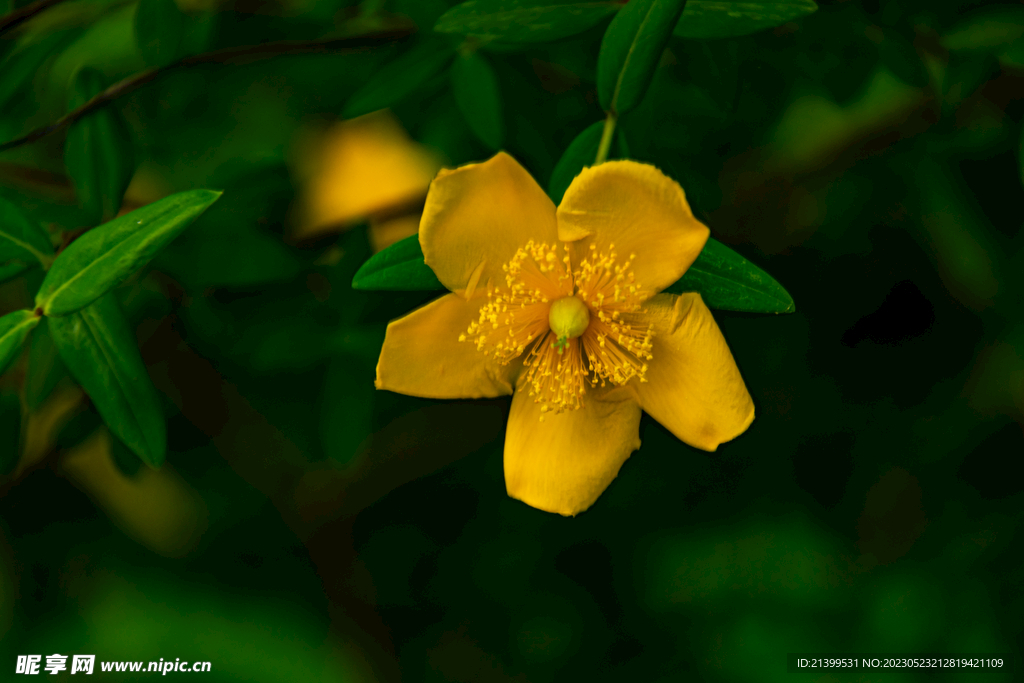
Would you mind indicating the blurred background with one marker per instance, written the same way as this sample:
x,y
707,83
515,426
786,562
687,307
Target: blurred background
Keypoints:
x,y
306,527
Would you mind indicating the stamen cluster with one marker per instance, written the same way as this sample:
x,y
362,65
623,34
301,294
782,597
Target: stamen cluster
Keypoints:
x,y
515,320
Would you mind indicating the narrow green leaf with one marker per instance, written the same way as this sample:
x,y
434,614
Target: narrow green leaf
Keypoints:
x,y
729,18
729,282
579,154
10,432
631,50
159,31
45,368
400,77
14,327
105,256
99,349
400,267
98,152
22,240
476,93
523,21
18,68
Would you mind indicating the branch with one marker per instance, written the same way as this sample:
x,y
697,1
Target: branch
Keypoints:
x,y
243,53
19,16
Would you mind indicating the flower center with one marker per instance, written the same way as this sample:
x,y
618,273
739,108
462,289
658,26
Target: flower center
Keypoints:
x,y
574,326
568,318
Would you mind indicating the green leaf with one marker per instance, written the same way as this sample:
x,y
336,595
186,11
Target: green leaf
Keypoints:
x,y
729,282
14,327
631,50
400,77
579,154
729,18
19,68
98,152
476,92
523,21
22,240
105,256
99,349
399,267
45,367
10,432
159,31
987,29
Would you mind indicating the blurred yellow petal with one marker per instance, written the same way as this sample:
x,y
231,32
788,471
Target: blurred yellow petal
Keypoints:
x,y
156,507
693,386
359,168
385,233
477,217
641,211
565,462
422,355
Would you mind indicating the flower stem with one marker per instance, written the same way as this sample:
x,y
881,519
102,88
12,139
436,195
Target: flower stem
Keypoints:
x,y
606,139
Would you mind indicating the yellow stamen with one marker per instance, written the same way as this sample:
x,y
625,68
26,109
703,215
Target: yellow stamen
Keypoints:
x,y
575,327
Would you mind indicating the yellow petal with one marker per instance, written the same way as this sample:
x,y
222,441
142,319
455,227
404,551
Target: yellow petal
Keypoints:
x,y
477,216
565,462
359,168
422,355
693,386
641,211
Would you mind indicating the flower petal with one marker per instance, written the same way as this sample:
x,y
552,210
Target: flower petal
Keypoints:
x,y
693,386
565,462
422,355
358,168
477,216
641,211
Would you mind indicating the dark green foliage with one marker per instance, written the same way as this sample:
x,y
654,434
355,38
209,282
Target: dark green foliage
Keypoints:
x,y
45,368
399,267
99,349
308,526
476,92
102,258
14,329
727,18
160,31
425,58
523,21
10,431
98,153
729,282
631,50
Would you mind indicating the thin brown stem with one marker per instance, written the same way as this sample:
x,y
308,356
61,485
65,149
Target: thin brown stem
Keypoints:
x,y
240,54
23,14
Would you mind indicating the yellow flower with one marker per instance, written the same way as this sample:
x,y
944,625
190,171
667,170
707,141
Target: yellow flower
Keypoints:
x,y
365,168
561,308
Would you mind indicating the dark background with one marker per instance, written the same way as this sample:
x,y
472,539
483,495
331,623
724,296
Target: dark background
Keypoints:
x,y
308,528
